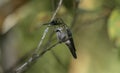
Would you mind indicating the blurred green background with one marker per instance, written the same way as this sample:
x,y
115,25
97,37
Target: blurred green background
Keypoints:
x,y
96,33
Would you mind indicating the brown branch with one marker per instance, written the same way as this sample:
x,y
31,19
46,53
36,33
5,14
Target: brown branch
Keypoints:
x,y
33,59
54,4
47,29
36,53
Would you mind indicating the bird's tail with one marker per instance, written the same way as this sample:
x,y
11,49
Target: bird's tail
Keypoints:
x,y
72,50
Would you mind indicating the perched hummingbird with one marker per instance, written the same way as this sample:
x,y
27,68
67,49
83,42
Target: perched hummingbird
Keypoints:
x,y
65,35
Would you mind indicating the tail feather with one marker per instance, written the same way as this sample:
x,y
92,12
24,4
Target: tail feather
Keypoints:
x,y
72,50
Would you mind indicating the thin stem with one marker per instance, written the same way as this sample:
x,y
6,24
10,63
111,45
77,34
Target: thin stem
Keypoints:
x,y
58,8
37,55
34,58
46,30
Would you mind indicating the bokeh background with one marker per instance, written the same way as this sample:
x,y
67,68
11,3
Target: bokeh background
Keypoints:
x,y
95,26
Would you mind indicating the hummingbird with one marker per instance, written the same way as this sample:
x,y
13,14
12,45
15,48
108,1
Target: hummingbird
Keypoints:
x,y
65,35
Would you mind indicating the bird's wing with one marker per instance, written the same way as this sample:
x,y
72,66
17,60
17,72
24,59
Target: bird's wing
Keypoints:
x,y
70,38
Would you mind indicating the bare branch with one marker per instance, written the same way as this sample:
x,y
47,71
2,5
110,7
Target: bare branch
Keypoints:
x,y
36,54
46,30
54,4
33,59
59,5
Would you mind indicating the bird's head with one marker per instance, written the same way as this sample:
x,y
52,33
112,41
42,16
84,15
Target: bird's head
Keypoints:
x,y
56,21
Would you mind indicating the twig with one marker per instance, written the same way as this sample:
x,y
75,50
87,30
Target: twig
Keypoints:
x,y
34,58
37,55
54,4
46,30
59,5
